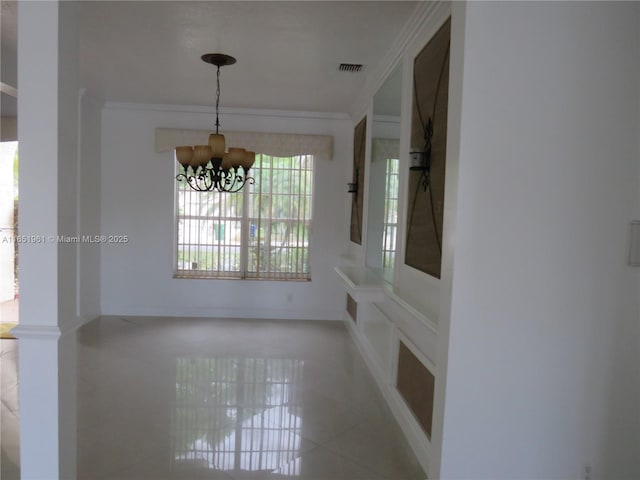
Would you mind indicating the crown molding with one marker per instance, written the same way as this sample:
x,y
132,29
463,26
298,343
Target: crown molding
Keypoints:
x,y
426,14
253,112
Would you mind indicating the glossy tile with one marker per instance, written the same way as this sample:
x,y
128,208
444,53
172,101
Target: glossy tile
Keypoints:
x,y
381,447
230,399
8,364
322,464
9,424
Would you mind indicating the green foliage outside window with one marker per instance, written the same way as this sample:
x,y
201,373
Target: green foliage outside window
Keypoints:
x,y
268,224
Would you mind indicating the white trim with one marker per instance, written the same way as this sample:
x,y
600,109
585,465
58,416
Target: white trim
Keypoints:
x,y
364,285
328,314
424,336
176,211
634,244
79,145
391,342
419,442
253,112
406,95
364,233
390,119
428,30
44,332
422,318
424,13
381,377
429,365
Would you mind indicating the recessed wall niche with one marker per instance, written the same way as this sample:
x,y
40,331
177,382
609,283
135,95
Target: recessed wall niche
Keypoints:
x,y
428,133
359,145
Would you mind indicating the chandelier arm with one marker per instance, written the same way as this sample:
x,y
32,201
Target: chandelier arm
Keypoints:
x,y
208,179
193,183
215,179
236,186
201,180
182,176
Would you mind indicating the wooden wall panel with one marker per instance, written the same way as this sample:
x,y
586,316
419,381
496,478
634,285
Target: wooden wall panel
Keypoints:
x,y
357,202
416,385
430,100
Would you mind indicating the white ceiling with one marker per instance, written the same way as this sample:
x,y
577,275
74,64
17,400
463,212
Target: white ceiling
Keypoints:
x,y
287,52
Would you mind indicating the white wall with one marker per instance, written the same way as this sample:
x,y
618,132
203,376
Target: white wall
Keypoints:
x,y
137,200
67,157
88,207
543,349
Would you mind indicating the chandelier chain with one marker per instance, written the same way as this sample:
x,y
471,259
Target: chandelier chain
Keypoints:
x,y
217,99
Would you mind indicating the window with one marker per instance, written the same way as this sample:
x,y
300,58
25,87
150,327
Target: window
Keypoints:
x,y
390,213
261,232
383,206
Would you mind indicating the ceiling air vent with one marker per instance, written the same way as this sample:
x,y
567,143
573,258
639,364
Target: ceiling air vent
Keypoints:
x,y
350,67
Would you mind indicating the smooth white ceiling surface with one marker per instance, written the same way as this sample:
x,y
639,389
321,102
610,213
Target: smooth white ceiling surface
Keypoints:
x,y
287,52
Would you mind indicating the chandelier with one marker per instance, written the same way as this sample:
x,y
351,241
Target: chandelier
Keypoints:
x,y
210,167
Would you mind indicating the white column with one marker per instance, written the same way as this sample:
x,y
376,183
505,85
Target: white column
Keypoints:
x,y
47,75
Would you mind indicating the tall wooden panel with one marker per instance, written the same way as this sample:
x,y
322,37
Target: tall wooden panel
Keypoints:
x,y
359,146
430,100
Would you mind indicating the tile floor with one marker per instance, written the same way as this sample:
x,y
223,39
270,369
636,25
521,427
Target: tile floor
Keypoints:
x,y
231,400
9,434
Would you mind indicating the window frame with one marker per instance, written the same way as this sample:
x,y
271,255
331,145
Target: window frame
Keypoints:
x,y
245,221
391,182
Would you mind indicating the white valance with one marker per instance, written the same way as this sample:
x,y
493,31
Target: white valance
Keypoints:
x,y
385,148
274,144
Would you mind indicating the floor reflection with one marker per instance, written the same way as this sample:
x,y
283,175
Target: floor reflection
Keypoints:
x,y
194,399
238,414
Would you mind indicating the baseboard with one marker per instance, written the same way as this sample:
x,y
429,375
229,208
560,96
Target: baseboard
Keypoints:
x,y
209,312
419,442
